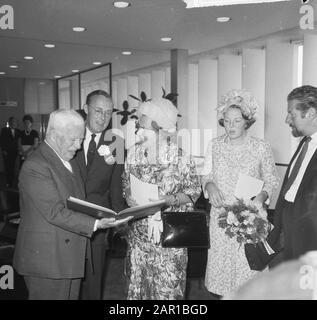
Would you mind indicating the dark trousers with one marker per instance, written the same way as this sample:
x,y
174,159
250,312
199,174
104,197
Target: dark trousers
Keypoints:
x,y
92,284
287,230
11,168
52,289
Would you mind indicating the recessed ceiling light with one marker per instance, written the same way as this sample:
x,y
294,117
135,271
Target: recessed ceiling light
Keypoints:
x,y
75,70
79,29
121,4
2,72
28,58
97,63
223,19
13,66
56,77
126,53
49,45
166,39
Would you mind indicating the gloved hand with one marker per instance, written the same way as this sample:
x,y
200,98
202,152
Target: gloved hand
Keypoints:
x,y
155,227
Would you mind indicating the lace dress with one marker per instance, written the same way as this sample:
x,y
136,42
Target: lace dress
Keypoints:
x,y
157,273
227,266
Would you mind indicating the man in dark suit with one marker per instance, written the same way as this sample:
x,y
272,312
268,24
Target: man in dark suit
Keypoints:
x,y
102,178
295,221
9,145
51,242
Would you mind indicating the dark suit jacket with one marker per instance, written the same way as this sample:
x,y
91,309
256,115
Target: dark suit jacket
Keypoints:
x,y
103,182
302,224
8,142
51,240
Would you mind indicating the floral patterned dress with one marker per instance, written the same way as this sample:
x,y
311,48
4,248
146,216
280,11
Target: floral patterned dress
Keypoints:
x,y
157,273
227,266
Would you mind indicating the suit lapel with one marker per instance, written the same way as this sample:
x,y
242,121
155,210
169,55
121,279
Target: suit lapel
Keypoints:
x,y
81,162
312,165
281,197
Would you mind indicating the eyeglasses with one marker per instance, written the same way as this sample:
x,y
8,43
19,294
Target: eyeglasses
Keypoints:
x,y
100,113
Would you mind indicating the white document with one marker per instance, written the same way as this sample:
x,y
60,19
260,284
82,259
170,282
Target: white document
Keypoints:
x,y
143,191
247,187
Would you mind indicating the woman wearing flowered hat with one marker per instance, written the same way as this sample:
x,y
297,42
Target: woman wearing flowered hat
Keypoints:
x,y
227,156
157,273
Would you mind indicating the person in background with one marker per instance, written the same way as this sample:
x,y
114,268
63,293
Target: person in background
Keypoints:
x,y
52,240
9,146
28,140
227,156
157,273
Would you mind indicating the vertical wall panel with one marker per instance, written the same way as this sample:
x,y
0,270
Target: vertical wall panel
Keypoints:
x,y
145,84
253,80
278,83
157,83
207,94
229,76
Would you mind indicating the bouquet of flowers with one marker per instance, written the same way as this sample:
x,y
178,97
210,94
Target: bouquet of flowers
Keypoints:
x,y
247,222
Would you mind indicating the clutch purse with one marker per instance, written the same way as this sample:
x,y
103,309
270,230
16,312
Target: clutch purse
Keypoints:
x,y
185,229
257,256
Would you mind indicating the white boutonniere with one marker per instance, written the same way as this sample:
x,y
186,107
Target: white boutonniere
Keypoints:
x,y
105,152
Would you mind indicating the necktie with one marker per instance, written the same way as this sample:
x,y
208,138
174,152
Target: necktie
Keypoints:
x,y
297,165
91,150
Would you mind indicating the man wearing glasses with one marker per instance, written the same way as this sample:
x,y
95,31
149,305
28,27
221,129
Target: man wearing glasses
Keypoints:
x,y
102,178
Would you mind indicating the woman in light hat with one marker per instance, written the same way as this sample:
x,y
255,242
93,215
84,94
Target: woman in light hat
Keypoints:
x,y
157,273
227,156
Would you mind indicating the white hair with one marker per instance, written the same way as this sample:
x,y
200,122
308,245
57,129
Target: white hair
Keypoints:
x,y
62,119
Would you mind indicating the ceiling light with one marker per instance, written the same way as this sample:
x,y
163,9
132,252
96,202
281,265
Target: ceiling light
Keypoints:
x,y
13,66
49,45
79,29
97,63
211,3
126,53
121,4
28,58
166,39
2,72
75,71
223,19
56,77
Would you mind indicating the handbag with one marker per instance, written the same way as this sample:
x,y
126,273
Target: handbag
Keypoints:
x,y
185,229
257,256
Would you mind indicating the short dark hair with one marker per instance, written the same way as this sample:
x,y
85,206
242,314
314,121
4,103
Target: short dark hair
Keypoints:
x,y
307,97
97,93
27,117
249,121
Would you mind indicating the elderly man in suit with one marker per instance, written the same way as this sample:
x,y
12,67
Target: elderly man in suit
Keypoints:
x,y
295,220
51,242
102,178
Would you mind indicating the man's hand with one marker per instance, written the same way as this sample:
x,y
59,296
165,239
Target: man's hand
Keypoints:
x,y
105,223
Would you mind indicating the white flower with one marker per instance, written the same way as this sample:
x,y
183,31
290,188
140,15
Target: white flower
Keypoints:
x,y
104,150
231,218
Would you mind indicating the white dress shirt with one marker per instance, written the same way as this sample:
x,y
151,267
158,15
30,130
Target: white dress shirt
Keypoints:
x,y
292,191
87,141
